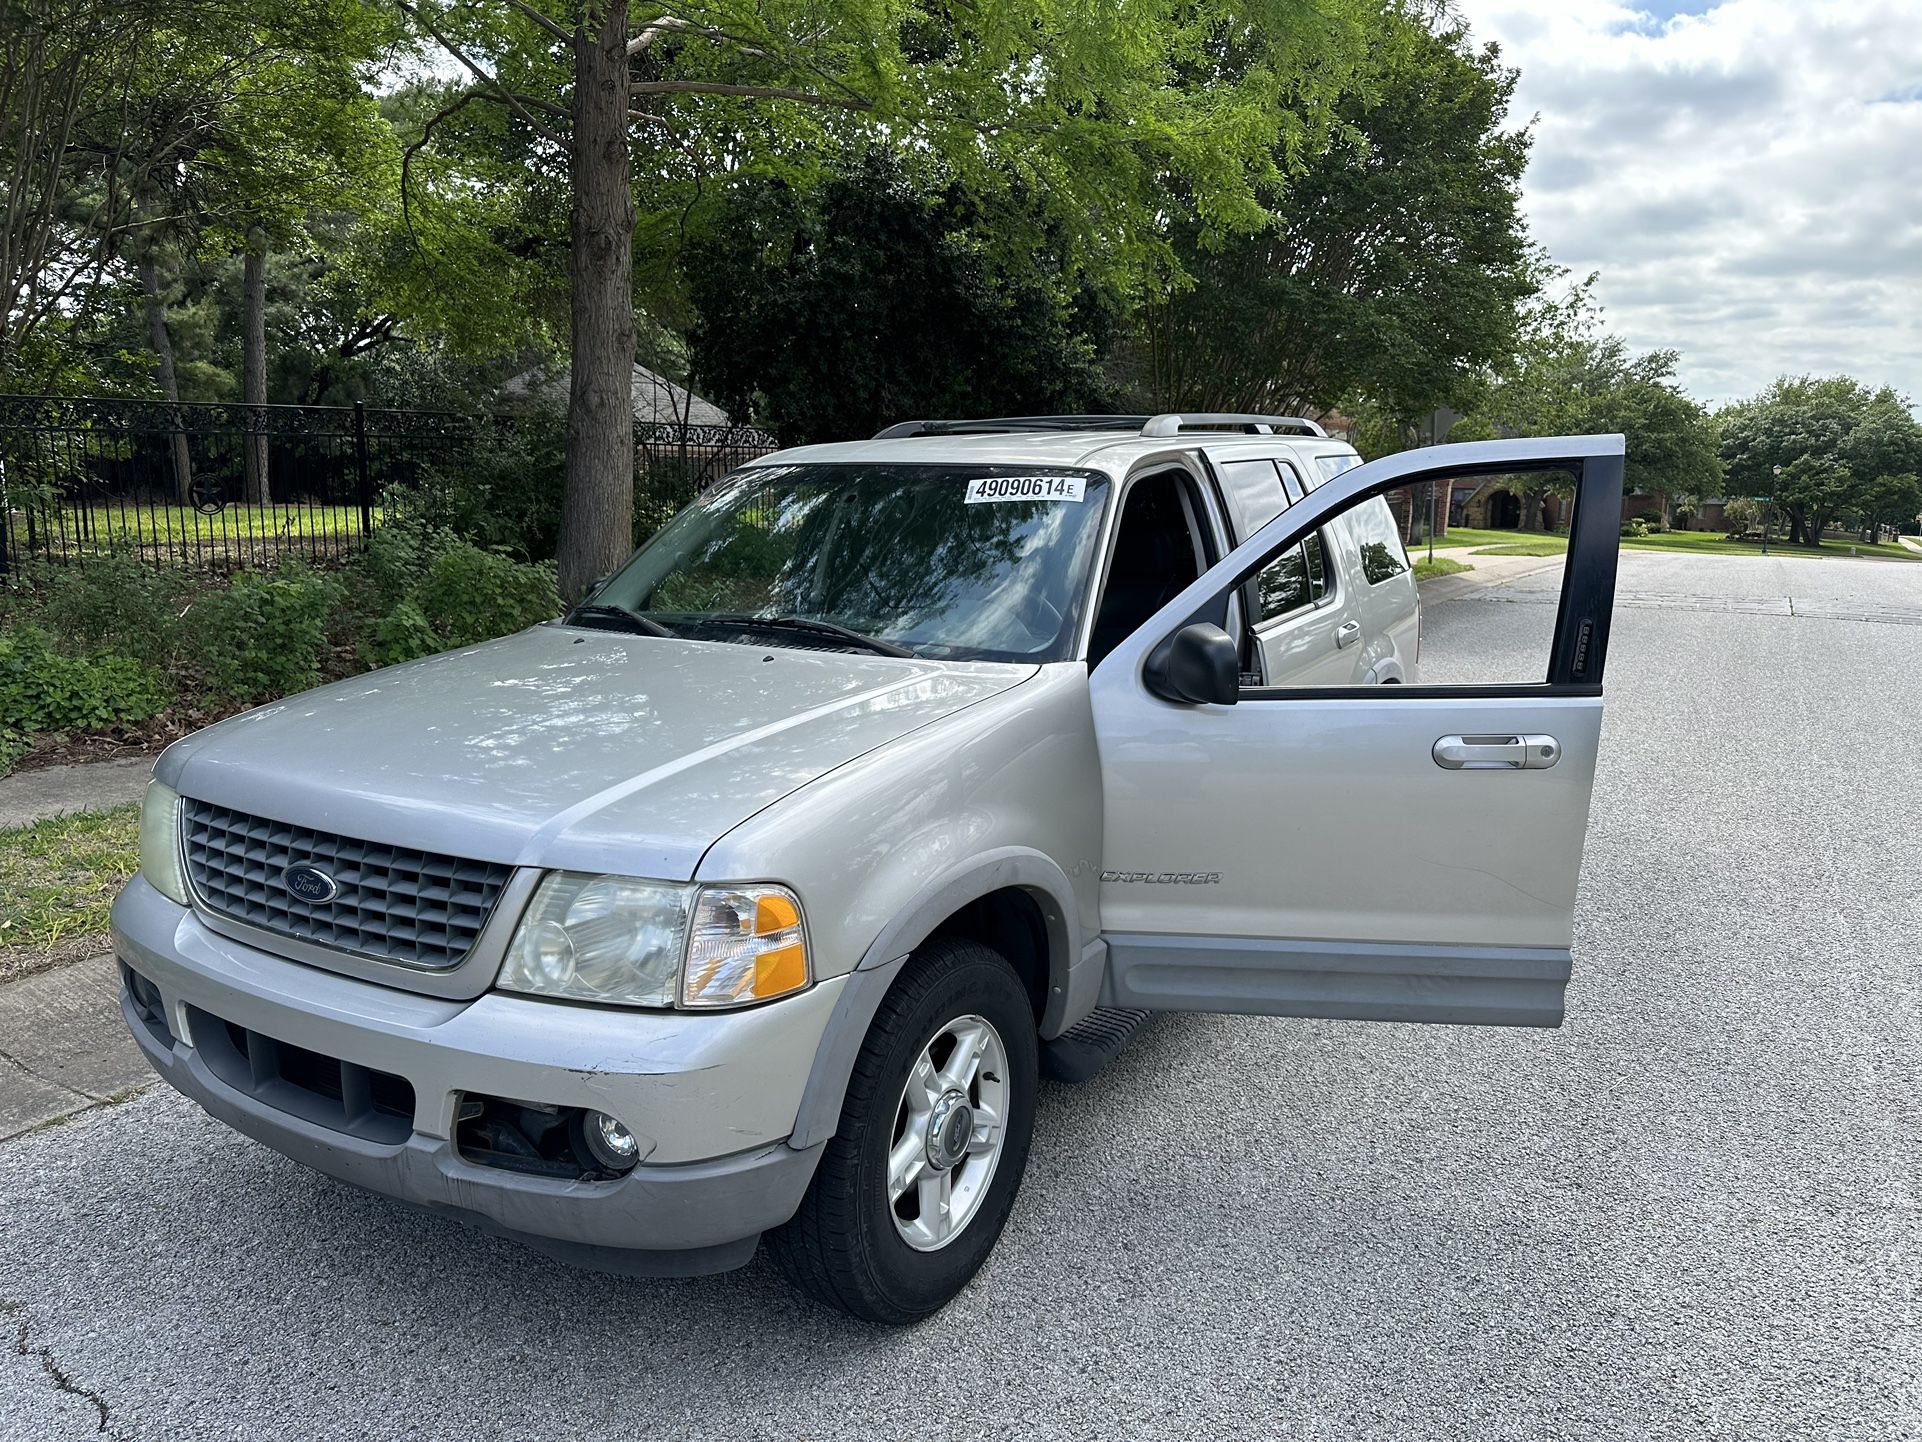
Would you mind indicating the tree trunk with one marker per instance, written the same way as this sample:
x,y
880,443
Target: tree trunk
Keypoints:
x,y
253,367
597,506
1532,509
163,349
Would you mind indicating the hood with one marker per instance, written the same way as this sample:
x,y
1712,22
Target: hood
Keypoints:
x,y
564,747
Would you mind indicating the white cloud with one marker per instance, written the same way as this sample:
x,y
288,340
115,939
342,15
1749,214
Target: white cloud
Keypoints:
x,y
1747,179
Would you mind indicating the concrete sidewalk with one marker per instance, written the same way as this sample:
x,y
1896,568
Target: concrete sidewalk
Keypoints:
x,y
33,796
63,1045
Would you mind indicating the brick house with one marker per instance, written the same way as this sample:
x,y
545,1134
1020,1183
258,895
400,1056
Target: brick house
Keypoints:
x,y
1489,505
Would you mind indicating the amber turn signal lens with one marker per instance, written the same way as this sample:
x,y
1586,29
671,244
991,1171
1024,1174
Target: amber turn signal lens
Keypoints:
x,y
747,945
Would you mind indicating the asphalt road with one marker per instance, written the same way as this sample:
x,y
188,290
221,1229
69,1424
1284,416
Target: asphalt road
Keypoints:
x,y
1692,1212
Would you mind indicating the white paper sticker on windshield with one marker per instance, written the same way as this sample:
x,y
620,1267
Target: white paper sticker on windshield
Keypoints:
x,y
1024,488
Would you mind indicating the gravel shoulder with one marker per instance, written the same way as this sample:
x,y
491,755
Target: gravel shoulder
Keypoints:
x,y
1693,1212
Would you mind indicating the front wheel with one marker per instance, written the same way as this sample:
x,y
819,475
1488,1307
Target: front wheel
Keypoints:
x,y
914,1188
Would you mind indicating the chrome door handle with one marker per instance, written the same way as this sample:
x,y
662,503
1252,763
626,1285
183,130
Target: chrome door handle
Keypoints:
x,y
1347,633
1497,753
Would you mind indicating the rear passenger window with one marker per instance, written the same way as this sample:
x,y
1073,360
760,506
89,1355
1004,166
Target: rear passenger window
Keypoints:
x,y
1378,541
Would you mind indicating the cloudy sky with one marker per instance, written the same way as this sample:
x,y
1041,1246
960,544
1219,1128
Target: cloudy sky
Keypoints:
x,y
1747,177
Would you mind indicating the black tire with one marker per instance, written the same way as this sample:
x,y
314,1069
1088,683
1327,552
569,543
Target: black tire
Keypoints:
x,y
842,1247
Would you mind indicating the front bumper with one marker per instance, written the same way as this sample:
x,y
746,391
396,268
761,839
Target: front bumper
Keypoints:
x,y
712,1098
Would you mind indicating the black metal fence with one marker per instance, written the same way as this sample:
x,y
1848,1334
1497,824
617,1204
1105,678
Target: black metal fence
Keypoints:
x,y
226,487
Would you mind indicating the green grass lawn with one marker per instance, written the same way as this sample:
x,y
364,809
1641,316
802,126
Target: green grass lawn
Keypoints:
x,y
1440,566
1528,546
1467,536
96,526
58,877
1699,543
1711,543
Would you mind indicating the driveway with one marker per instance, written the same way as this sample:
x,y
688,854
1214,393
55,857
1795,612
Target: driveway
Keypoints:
x,y
1691,1212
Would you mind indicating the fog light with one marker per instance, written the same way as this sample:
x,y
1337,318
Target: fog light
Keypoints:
x,y
611,1145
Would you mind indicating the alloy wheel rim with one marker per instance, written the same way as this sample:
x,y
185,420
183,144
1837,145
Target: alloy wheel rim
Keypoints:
x,y
948,1130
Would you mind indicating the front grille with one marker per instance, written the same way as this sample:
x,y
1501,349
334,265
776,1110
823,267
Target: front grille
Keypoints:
x,y
393,904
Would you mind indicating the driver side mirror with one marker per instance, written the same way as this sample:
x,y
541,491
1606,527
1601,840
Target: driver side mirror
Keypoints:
x,y
1197,666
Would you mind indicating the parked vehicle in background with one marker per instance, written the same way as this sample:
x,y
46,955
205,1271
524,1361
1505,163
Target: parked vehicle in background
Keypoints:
x,y
756,895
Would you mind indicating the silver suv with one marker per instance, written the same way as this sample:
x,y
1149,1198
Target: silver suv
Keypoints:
x,y
757,894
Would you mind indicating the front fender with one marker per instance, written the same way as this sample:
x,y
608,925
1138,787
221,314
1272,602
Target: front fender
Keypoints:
x,y
1007,867
882,850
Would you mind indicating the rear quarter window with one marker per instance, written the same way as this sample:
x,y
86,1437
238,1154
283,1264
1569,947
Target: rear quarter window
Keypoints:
x,y
1378,540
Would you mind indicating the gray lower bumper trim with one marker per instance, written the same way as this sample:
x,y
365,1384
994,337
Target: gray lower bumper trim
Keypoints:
x,y
681,1220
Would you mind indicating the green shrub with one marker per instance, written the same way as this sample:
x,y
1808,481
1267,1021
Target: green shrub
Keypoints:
x,y
395,561
42,689
470,595
263,636
114,602
401,635
503,491
1635,529
13,747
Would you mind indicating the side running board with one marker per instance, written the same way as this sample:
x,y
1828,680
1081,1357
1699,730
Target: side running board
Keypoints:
x,y
1085,1048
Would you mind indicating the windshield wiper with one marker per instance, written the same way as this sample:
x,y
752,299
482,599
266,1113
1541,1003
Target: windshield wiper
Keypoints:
x,y
817,628
600,613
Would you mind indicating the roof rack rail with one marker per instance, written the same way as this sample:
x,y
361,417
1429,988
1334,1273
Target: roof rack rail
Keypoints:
x,y
1172,424
993,425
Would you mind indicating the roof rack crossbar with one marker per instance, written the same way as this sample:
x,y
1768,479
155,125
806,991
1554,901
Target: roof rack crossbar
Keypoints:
x,y
1172,424
1169,424
992,425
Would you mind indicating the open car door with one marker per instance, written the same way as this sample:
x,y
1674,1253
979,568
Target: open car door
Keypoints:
x,y
1382,852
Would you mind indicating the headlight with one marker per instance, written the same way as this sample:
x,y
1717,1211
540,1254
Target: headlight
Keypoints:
x,y
601,938
630,942
160,842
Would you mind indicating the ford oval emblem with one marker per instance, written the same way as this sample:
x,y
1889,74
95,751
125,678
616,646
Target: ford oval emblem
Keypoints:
x,y
309,883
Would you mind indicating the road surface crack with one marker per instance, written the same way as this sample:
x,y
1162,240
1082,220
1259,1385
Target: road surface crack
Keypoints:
x,y
52,1369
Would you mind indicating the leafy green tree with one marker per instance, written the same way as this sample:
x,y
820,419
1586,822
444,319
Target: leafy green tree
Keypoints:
x,y
1892,501
1821,448
68,69
282,128
155,137
868,300
1569,378
1086,105
1394,264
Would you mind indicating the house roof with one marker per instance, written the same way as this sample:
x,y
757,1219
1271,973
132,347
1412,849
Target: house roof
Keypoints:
x,y
656,399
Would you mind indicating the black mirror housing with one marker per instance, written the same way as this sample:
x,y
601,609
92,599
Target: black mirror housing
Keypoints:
x,y
1197,666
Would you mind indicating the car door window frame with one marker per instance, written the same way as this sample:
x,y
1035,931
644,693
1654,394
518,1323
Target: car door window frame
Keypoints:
x,y
1205,511
1579,644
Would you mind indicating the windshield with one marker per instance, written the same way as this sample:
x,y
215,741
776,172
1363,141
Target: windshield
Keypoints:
x,y
977,563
